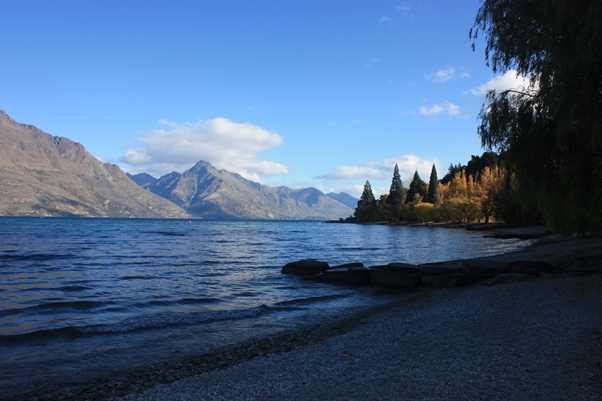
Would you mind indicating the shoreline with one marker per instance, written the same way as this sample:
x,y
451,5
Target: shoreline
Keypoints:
x,y
130,383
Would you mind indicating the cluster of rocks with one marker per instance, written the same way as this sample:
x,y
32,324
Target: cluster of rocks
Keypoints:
x,y
402,276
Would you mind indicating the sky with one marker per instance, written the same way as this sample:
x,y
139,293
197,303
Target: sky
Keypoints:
x,y
319,93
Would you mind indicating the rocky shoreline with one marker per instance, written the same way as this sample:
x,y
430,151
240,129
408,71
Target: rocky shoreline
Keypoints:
x,y
546,257
560,266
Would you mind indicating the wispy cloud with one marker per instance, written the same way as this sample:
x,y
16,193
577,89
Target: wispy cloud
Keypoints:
x,y
404,8
372,62
510,80
345,173
446,74
448,108
224,143
255,110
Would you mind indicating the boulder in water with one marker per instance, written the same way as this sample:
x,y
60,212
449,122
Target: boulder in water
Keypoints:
x,y
305,267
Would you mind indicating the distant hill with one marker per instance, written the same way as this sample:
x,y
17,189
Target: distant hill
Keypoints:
x,y
141,178
344,198
44,175
206,192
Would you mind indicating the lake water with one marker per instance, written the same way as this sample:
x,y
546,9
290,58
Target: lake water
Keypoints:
x,y
85,298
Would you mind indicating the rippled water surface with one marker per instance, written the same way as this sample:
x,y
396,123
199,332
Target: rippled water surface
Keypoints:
x,y
76,293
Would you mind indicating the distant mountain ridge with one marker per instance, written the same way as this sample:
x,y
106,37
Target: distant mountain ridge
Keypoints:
x,y
344,198
206,192
45,175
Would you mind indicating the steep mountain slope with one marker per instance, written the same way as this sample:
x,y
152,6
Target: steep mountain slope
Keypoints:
x,y
141,178
344,198
45,175
207,192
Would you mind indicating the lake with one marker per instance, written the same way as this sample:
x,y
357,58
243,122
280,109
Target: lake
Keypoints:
x,y
83,298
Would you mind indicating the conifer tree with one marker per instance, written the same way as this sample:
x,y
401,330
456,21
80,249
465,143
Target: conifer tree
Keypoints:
x,y
367,198
417,190
397,191
433,196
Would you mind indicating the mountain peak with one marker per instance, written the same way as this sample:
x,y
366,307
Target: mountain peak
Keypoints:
x,y
45,175
208,193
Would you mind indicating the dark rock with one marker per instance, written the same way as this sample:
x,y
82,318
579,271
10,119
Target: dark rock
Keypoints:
x,y
436,269
305,267
398,267
395,279
484,267
352,264
449,280
350,276
530,267
508,278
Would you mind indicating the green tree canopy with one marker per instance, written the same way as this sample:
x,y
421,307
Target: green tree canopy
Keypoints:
x,y
397,192
417,190
551,132
433,196
367,198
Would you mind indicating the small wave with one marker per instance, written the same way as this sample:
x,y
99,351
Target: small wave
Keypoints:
x,y
308,300
37,256
136,277
53,307
164,320
73,288
39,335
68,305
359,248
183,301
166,233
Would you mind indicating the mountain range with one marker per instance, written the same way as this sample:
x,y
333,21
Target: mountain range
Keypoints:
x,y
207,192
45,175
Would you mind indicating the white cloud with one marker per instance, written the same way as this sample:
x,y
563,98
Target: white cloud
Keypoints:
x,y
446,74
345,173
408,164
223,143
442,75
510,80
404,8
446,107
384,19
372,62
383,170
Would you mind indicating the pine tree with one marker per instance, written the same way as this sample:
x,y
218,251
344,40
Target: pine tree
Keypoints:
x,y
417,190
434,195
397,191
367,198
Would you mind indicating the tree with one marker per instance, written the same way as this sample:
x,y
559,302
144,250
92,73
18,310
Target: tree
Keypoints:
x,y
551,131
417,190
367,198
433,195
397,192
451,172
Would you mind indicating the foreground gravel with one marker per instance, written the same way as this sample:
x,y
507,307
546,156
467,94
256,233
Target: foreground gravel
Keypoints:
x,y
539,339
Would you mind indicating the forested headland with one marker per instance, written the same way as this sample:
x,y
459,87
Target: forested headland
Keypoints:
x,y
471,192
548,134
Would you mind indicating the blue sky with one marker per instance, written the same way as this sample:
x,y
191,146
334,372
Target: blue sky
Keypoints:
x,y
299,93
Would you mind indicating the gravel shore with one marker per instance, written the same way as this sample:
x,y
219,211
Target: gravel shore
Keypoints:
x,y
539,340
